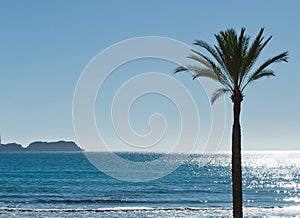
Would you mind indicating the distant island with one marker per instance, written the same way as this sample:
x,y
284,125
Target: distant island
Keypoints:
x,y
41,146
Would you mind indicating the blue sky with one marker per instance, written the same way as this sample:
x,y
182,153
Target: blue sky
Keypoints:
x,y
45,45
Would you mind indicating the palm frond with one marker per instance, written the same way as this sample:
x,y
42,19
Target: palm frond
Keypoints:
x,y
211,71
217,71
252,55
278,58
218,93
225,52
203,72
198,71
226,69
242,48
210,49
217,55
264,73
198,58
180,69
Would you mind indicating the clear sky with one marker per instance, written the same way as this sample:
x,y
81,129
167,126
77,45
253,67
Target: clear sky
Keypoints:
x,y
45,45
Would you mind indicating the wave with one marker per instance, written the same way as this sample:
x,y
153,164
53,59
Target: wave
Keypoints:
x,y
110,209
135,212
122,209
72,201
99,201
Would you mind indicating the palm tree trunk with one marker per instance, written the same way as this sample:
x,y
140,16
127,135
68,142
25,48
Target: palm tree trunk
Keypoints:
x,y
236,161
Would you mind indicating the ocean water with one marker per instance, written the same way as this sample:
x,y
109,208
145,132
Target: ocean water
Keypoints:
x,y
67,185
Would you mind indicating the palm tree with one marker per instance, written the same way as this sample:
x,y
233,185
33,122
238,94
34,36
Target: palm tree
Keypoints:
x,y
231,65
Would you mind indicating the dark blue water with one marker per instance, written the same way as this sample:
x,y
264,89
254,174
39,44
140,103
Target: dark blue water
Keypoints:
x,y
67,185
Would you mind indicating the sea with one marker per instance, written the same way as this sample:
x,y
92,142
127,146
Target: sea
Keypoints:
x,y
66,184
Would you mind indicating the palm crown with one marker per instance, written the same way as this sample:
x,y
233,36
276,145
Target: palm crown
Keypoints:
x,y
234,59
